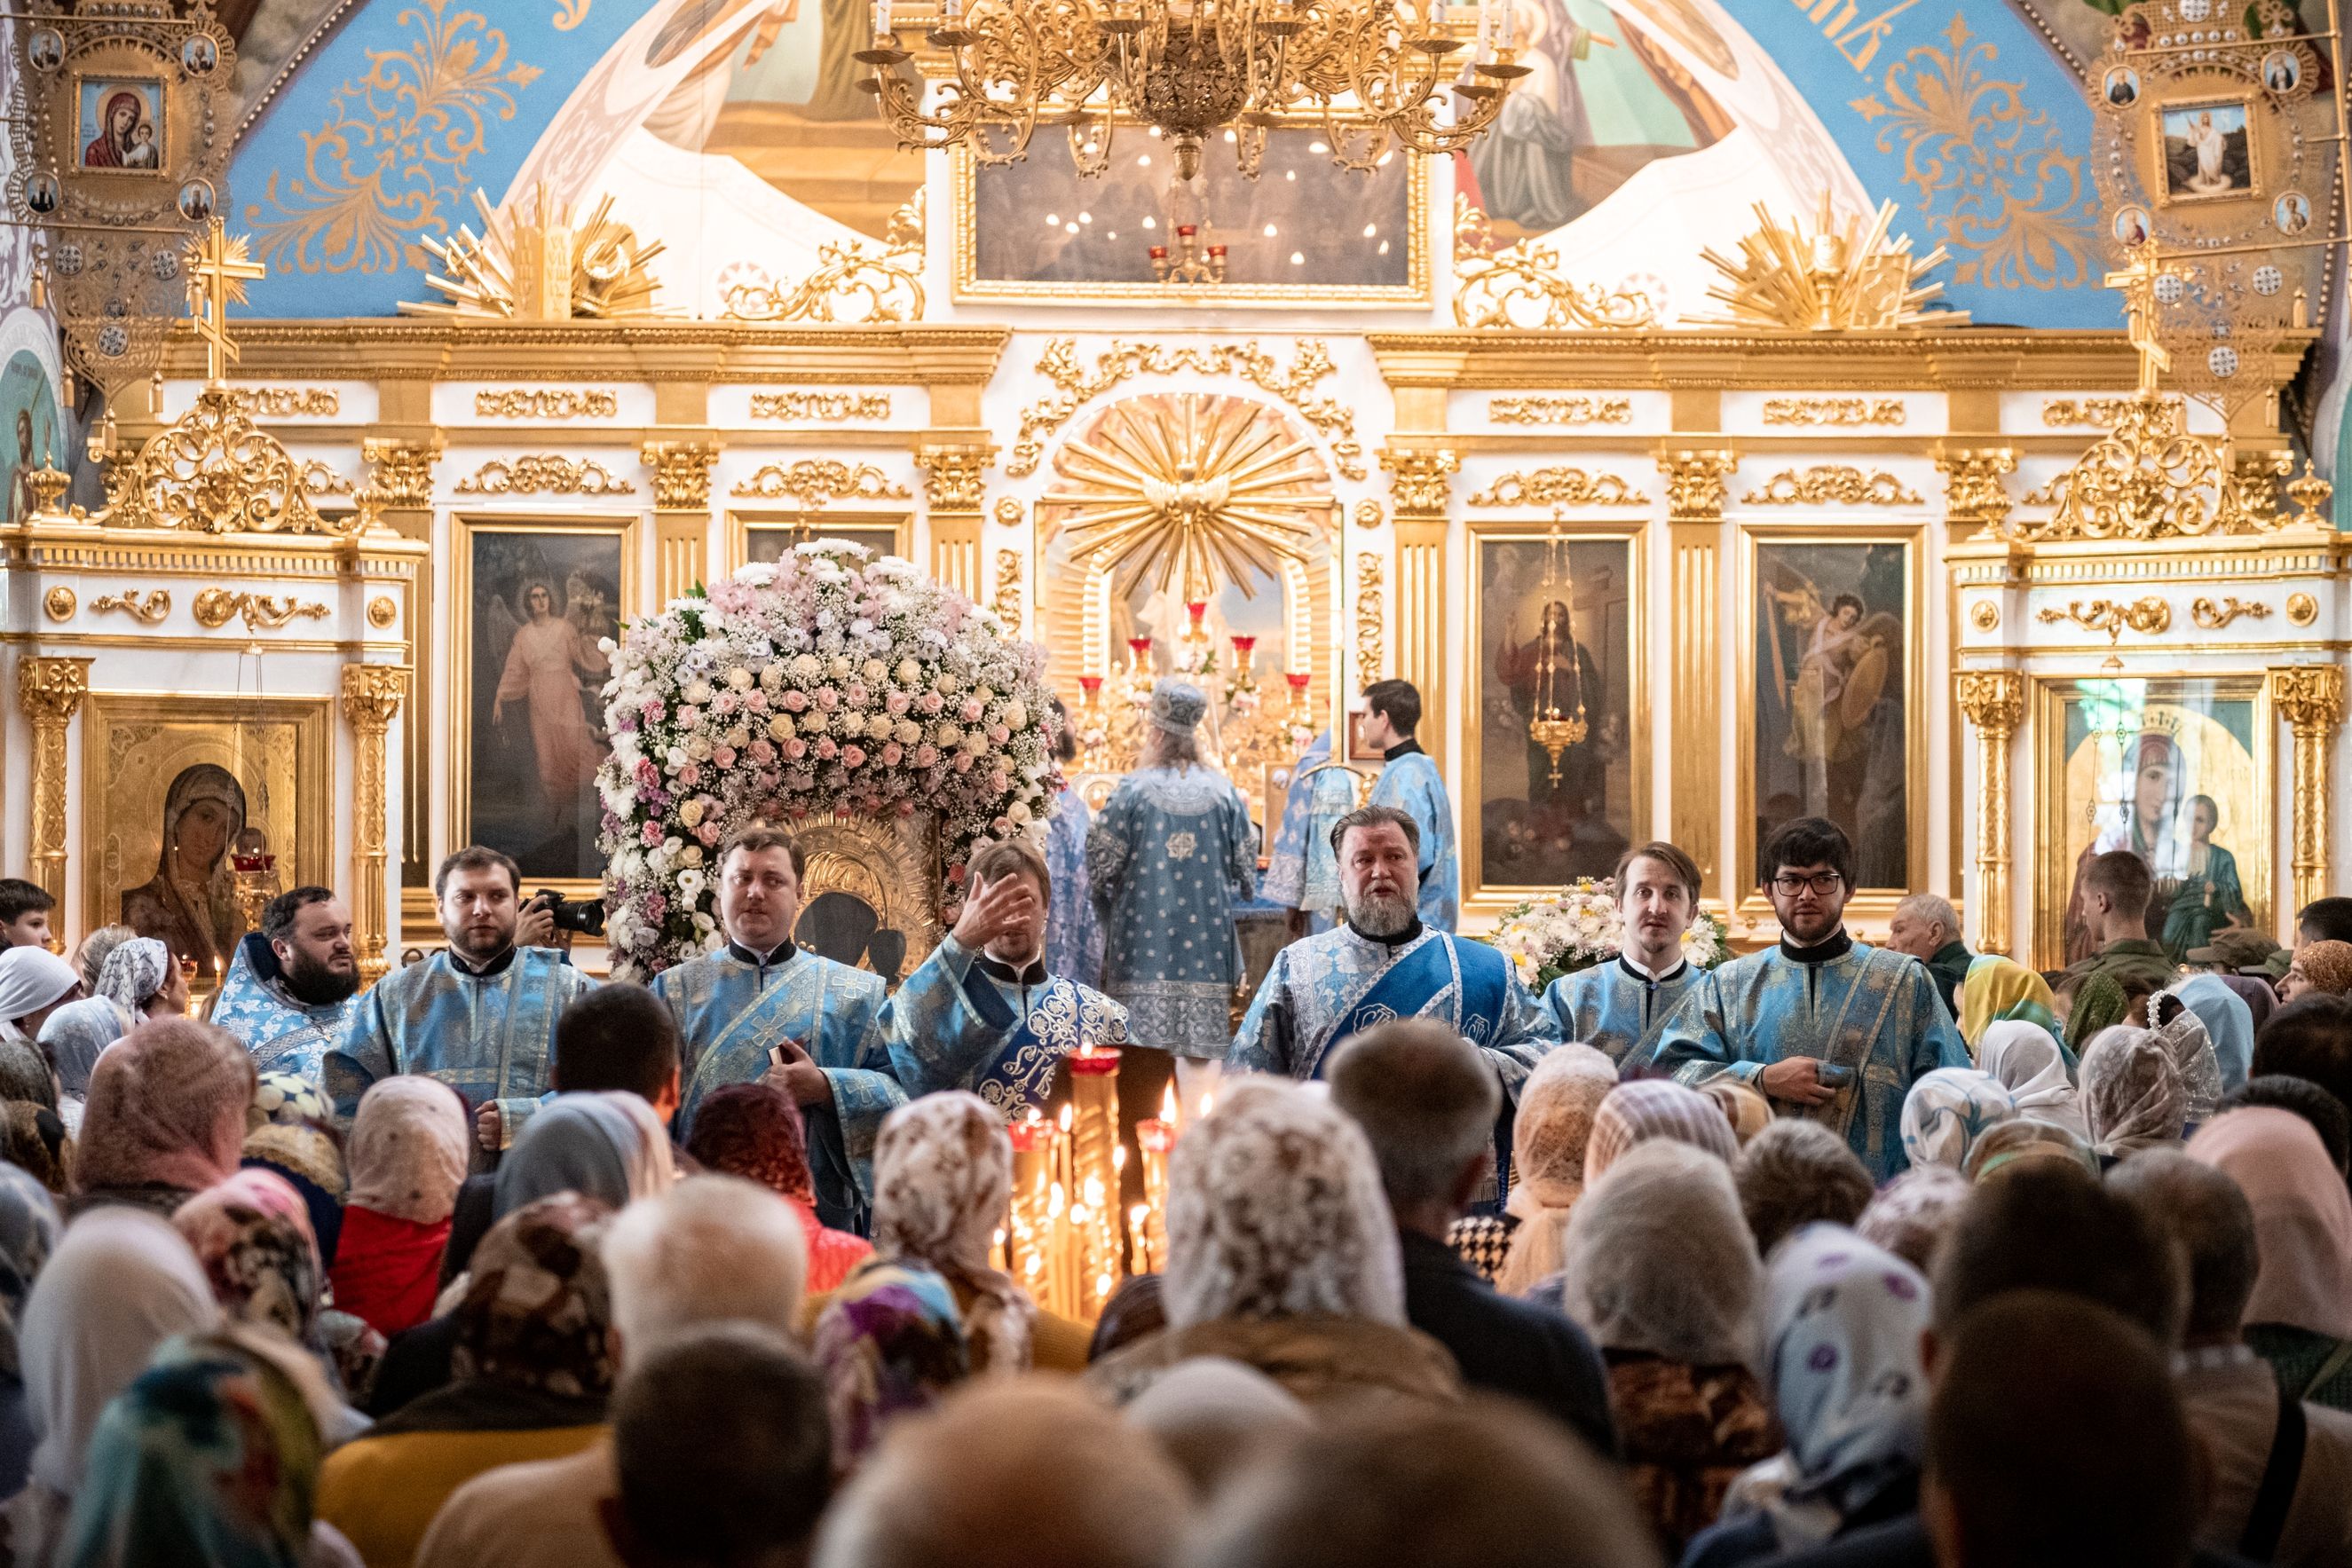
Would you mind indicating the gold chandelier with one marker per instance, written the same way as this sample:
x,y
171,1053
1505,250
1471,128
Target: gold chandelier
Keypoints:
x,y
1378,72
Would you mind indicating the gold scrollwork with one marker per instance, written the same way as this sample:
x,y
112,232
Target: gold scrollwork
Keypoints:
x,y
1696,482
60,602
2149,616
546,402
213,471
1885,411
2211,616
1973,491
1311,362
2077,412
149,608
288,403
851,285
1560,410
681,473
1419,484
1371,617
1520,286
1832,482
813,481
2150,478
1007,603
320,478
817,405
1559,488
401,472
216,607
2302,608
544,473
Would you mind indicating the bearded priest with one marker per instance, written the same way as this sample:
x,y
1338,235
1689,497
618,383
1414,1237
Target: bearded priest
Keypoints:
x,y
982,1013
1384,964
293,987
761,1009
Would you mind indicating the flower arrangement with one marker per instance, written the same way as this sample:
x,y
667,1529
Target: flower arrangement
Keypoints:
x,y
1578,927
831,682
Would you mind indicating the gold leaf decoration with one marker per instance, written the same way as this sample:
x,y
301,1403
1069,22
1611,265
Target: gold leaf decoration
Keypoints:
x,y
1559,488
851,284
2150,478
1826,277
213,470
544,473
1520,286
1827,482
542,267
813,481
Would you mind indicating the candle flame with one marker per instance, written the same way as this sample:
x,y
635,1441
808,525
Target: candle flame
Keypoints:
x,y
1118,1156
1167,1110
1065,1118
1207,1102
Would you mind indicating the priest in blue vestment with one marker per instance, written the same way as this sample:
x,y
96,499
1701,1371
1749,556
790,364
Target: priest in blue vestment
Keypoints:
x,y
1825,1027
761,1009
1074,936
479,1015
983,1012
1411,782
1620,1006
293,988
1302,874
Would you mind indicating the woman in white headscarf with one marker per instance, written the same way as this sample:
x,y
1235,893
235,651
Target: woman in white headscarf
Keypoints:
x,y
942,1178
2183,1035
34,982
1548,1139
1283,1254
1948,1111
2025,1058
2132,1094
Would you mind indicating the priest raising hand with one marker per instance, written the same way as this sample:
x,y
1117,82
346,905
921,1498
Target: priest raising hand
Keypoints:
x,y
1005,918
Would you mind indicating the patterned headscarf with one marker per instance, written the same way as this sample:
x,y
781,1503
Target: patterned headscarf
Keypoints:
x,y
2099,1004
1948,1110
1550,1136
1660,1259
166,1108
591,1143
134,972
253,1237
538,1313
210,1459
2028,1062
942,1179
29,1234
1650,1108
312,1163
1748,1111
1913,1214
287,1100
1998,989
2022,1138
889,1345
2131,1094
2326,965
1275,1209
1841,1322
408,1149
753,1131
37,1143
2191,1049
2229,1023
2303,1217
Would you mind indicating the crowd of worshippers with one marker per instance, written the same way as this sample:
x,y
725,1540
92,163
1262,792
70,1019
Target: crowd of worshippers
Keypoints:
x,y
1836,1253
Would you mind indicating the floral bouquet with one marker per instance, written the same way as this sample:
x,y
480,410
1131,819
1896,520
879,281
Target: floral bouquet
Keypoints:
x,y
831,682
1578,927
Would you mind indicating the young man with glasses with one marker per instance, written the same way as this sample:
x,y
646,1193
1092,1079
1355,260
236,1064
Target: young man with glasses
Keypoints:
x,y
1827,1028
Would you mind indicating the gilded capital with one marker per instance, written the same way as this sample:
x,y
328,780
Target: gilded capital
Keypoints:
x,y
955,475
1973,492
1695,481
51,689
1417,485
681,473
1993,700
2309,696
373,693
401,472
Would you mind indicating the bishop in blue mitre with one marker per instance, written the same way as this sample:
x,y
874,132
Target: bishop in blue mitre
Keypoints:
x,y
291,992
1620,1005
762,1007
1301,871
1411,782
983,1013
1826,1027
479,1015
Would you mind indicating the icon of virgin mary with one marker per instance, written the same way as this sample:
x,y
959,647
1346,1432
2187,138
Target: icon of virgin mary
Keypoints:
x,y
189,904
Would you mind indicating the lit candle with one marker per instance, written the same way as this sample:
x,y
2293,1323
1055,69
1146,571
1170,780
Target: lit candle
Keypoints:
x,y
1092,1114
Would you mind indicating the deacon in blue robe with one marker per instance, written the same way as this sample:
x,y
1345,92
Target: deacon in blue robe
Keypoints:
x,y
1302,872
284,1033
1617,1007
1410,781
1073,935
1870,1010
966,1021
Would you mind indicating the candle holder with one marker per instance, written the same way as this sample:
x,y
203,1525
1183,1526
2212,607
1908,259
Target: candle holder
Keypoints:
x,y
1193,262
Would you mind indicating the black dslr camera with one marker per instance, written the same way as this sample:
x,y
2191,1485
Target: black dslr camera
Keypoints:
x,y
582,918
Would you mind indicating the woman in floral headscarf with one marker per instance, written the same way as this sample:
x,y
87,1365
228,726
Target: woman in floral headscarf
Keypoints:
x,y
942,1177
135,981
2027,1059
890,1344
753,1131
408,1153
533,1365
1948,1110
1549,1135
165,1117
2131,1094
2178,1029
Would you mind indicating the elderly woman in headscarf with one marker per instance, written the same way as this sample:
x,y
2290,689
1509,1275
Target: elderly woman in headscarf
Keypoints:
x,y
1645,1108
2299,1318
754,1131
608,1146
408,1152
1283,1255
1913,1214
1997,990
2131,1094
29,1234
890,1343
1842,1322
1662,1273
2228,1024
135,980
210,1459
1949,1109
119,1284
1549,1135
2027,1059
534,1370
165,1118
2022,1139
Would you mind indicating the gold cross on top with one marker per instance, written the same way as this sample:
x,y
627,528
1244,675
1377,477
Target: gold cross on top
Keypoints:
x,y
2137,282
218,267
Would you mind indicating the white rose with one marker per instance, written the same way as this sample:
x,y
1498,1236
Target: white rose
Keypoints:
x,y
807,666
946,734
839,668
986,694
771,678
698,691
875,672
739,678
814,722
975,741
738,737
703,921
880,726
698,747
1018,811
690,812
909,732
691,854
1016,715
909,673
947,683
781,727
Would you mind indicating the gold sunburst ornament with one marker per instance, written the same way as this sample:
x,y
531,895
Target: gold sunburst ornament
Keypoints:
x,y
1828,276
542,267
1188,489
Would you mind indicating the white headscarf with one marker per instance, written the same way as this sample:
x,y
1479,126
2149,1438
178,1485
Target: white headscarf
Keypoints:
x,y
942,1178
30,979
1548,1138
1275,1209
2185,1040
1660,1259
1948,1110
408,1149
134,972
2028,1062
121,1284
2131,1094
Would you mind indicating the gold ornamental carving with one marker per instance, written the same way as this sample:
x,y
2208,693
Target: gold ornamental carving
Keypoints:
x,y
2095,413
813,482
1984,614
954,475
546,402
216,607
545,267
2302,608
2150,478
1827,482
372,695
401,472
1993,701
2149,615
1007,603
850,286
1074,385
820,406
381,611
149,608
1560,410
1696,482
1371,617
288,403
1368,514
58,603
1973,492
320,480
2310,697
2311,495
1417,480
1839,411
1520,286
2213,615
1827,276
50,691
1558,489
1008,511
544,473
213,471
681,473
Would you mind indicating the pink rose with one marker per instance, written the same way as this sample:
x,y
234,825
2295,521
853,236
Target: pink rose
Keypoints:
x,y
708,832
929,705
653,711
690,775
827,698
925,755
647,774
999,734
724,757
895,704
651,834
761,752
971,710
688,717
856,694
963,762
825,749
853,756
796,748
891,752
794,701
757,702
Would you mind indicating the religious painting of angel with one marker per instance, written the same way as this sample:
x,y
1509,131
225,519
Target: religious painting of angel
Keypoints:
x,y
540,601
1829,698
2169,771
122,125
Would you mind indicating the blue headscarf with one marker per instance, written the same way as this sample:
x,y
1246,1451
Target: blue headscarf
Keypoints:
x,y
589,1143
2228,1024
